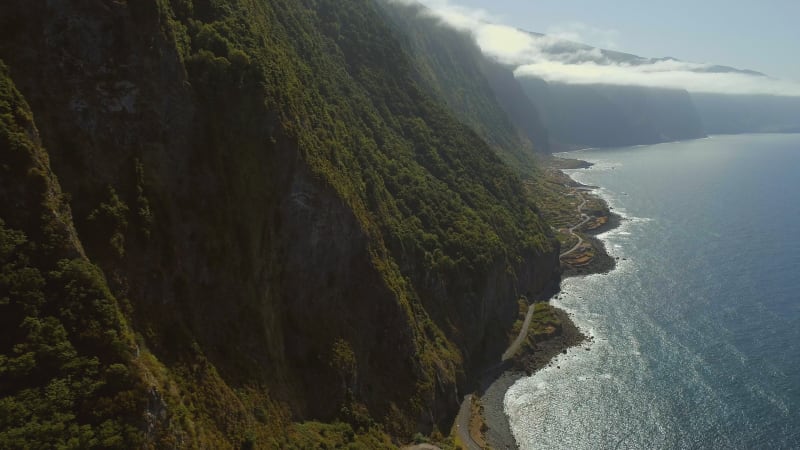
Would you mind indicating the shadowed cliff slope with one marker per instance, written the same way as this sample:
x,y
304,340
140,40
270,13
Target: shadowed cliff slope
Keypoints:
x,y
608,116
282,226
66,370
483,94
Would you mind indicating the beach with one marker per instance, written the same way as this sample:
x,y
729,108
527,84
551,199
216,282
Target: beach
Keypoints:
x,y
496,429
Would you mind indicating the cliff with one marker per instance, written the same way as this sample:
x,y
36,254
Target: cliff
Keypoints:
x,y
524,114
482,94
244,217
610,116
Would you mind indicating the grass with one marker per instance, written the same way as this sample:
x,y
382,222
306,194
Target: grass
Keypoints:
x,y
517,327
477,426
545,323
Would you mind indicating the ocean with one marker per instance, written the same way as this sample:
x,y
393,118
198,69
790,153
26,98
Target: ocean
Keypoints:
x,y
697,330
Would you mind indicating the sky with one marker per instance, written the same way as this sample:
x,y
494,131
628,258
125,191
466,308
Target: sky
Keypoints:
x,y
758,35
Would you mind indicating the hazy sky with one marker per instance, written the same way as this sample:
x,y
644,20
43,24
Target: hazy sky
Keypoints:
x,y
758,35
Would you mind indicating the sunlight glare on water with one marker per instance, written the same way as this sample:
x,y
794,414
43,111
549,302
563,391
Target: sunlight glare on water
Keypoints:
x,y
697,336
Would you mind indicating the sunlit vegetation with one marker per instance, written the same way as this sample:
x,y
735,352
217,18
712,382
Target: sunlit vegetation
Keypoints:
x,y
450,67
545,323
435,199
438,210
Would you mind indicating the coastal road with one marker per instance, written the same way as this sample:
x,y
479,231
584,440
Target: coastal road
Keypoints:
x,y
465,412
585,218
464,416
462,424
523,333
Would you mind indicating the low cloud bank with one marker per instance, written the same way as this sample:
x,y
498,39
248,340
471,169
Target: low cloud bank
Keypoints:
x,y
556,59
656,74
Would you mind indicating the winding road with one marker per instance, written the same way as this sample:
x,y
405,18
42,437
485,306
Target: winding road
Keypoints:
x,y
465,412
462,424
585,218
464,416
523,333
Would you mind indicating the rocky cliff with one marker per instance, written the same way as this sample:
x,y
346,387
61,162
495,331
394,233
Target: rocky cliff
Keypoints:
x,y
520,108
272,220
483,94
609,116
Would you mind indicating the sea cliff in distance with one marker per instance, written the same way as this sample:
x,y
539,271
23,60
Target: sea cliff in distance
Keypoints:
x,y
605,115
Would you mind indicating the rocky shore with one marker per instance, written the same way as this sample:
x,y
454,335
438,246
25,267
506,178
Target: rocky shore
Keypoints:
x,y
498,432
601,263
496,427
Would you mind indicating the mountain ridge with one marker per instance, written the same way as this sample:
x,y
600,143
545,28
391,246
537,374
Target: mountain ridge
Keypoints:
x,y
615,56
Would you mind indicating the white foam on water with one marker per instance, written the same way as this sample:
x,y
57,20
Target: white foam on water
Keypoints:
x,y
679,356
534,404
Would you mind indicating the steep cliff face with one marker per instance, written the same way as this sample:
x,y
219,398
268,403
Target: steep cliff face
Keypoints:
x,y
67,372
450,66
524,114
607,116
297,230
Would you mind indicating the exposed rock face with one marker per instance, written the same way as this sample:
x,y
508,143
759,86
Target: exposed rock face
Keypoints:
x,y
257,264
333,291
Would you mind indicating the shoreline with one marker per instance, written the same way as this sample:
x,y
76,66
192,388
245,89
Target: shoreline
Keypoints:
x,y
498,432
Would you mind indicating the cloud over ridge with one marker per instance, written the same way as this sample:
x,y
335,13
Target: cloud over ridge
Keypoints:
x,y
557,58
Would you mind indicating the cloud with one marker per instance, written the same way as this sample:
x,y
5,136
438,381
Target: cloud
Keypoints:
x,y
558,57
657,74
581,32
456,16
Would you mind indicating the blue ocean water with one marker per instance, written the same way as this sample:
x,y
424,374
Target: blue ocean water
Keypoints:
x,y
697,331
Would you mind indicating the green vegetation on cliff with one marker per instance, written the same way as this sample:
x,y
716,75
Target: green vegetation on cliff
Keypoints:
x,y
66,373
449,66
280,225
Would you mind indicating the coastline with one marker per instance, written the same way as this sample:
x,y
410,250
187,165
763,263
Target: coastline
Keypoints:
x,y
496,427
